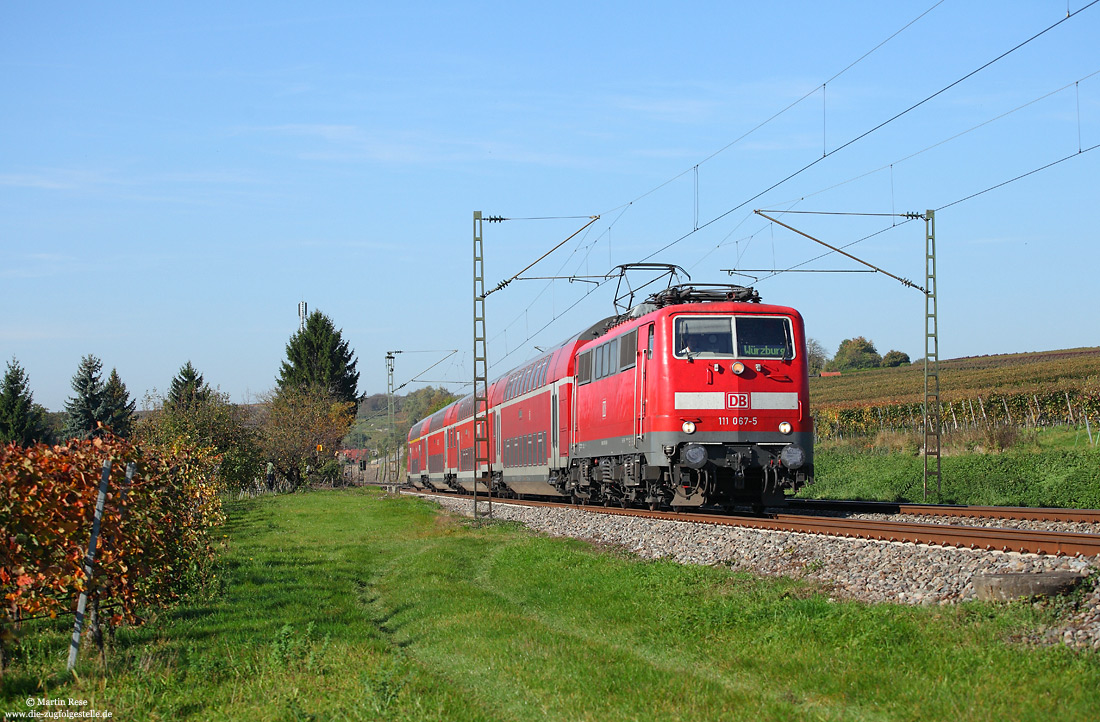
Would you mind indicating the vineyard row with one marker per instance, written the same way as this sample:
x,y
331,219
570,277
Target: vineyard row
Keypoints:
x,y
154,539
1034,409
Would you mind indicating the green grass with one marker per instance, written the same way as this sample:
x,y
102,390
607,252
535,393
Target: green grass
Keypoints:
x,y
1052,467
351,605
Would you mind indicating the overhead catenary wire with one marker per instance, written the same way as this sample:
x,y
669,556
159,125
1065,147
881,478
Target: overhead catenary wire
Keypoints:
x,y
875,128
776,115
505,283
415,378
1077,154
700,226
504,329
890,166
903,281
909,219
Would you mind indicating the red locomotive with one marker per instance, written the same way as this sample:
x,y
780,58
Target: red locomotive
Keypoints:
x,y
696,397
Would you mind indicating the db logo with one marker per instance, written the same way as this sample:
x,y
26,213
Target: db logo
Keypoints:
x,y
737,401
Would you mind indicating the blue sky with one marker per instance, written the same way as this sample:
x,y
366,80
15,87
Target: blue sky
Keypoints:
x,y
174,179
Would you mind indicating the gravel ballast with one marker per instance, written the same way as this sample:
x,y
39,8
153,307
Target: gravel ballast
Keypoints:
x,y
864,570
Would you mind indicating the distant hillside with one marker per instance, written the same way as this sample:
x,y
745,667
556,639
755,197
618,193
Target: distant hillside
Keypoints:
x,y
962,378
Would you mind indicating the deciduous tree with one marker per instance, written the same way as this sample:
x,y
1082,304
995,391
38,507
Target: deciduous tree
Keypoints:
x,y
207,420
816,356
302,428
895,358
855,353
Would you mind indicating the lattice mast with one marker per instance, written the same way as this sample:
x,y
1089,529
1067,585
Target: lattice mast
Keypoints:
x,y
932,407
391,430
482,463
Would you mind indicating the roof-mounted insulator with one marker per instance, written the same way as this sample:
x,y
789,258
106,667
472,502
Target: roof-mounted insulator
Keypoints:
x,y
704,293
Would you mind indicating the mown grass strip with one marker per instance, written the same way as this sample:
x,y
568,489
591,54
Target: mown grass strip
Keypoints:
x,y
351,605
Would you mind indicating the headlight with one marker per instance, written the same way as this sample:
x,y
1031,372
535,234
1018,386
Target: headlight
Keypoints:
x,y
792,456
738,368
689,427
784,427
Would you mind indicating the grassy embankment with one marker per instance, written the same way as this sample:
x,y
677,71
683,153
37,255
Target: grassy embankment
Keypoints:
x,y
1029,451
1053,467
350,605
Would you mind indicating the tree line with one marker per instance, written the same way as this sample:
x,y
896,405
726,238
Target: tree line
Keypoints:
x,y
853,354
296,428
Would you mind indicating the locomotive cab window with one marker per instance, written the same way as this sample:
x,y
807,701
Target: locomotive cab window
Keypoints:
x,y
704,336
764,337
733,337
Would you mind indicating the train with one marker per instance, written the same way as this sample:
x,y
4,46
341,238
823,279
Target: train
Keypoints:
x,y
696,397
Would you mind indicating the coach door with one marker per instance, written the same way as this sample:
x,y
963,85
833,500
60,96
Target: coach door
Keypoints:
x,y
496,440
641,382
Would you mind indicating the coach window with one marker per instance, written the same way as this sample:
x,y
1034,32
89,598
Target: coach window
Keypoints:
x,y
764,337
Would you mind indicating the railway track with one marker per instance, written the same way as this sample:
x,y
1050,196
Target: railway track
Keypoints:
x,y
954,535
1089,516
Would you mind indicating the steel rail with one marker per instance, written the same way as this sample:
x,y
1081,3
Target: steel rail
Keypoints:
x,y
1025,541
1088,516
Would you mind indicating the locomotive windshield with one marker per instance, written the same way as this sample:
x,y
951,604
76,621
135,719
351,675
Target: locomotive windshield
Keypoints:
x,y
719,336
764,337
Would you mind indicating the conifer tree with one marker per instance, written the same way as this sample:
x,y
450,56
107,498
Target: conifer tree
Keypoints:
x,y
118,408
188,389
21,420
318,357
87,408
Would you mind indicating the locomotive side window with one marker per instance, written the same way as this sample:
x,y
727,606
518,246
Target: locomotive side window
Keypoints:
x,y
584,368
628,350
764,337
